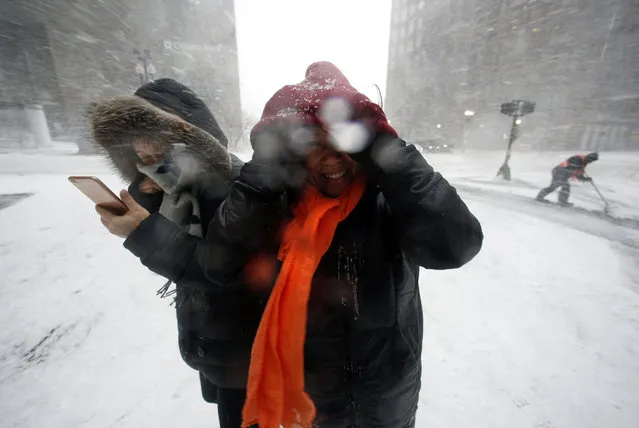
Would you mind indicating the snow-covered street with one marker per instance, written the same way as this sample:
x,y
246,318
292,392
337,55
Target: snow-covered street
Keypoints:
x,y
540,330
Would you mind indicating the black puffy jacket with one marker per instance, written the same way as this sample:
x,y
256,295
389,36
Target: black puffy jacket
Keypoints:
x,y
204,323
364,331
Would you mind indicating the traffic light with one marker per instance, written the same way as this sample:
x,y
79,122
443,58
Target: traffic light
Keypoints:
x,y
517,108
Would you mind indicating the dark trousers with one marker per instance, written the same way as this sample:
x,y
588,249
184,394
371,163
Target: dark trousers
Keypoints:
x,y
559,179
229,408
230,402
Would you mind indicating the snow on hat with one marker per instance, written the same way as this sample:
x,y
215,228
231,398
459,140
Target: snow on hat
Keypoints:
x,y
324,98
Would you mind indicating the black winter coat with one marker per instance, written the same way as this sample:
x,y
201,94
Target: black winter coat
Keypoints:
x,y
203,329
203,319
364,331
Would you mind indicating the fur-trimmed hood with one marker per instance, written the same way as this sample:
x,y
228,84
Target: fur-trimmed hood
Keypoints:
x,y
117,122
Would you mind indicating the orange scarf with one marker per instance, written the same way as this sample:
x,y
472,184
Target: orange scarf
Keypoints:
x,y
275,395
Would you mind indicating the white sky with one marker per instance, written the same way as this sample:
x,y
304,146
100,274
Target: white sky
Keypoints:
x,y
278,39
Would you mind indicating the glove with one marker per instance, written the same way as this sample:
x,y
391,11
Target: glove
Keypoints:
x,y
276,165
586,178
380,155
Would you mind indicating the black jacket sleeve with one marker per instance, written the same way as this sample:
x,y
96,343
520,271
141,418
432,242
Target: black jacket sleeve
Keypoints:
x,y
435,227
239,226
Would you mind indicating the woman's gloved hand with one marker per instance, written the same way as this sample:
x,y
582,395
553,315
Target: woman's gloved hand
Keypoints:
x,y
278,160
382,154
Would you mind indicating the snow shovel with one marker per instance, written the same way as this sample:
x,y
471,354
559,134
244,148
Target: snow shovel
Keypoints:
x,y
605,201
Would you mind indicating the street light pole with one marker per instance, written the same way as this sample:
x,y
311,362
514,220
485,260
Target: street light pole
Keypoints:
x,y
468,114
515,109
504,170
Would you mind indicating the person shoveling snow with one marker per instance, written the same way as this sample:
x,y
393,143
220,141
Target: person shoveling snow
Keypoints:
x,y
572,168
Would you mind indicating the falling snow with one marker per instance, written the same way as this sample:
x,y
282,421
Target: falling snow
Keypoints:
x,y
540,330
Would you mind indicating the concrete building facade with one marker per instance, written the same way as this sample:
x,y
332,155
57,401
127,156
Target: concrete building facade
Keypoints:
x,y
63,54
576,59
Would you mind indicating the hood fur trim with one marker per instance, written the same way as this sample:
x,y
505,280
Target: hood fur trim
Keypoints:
x,y
118,122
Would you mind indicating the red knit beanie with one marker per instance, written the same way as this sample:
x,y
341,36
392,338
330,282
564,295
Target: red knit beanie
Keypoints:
x,y
304,103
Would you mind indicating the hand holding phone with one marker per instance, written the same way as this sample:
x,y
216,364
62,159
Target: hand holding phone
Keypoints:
x,y
120,216
99,193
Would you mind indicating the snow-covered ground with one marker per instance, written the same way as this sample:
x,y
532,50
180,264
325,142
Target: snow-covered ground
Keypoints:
x,y
540,330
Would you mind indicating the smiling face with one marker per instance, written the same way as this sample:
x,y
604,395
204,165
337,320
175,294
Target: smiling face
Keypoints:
x,y
330,171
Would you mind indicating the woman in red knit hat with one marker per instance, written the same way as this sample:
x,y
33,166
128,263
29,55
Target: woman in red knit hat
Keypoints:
x,y
333,216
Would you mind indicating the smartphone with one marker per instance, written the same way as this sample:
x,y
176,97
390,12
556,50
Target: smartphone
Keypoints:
x,y
99,193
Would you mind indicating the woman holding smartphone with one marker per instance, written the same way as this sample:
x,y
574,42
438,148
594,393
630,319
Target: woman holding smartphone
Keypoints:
x,y
167,144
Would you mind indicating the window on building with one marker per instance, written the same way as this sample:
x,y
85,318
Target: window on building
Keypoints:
x,y
411,26
422,3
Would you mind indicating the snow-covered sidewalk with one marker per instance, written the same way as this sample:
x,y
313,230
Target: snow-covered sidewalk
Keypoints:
x,y
540,330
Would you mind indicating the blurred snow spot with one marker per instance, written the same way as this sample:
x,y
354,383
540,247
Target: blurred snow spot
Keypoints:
x,y
268,145
388,157
335,110
349,137
261,271
303,140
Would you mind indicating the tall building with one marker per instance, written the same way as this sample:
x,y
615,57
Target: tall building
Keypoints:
x,y
64,54
576,59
